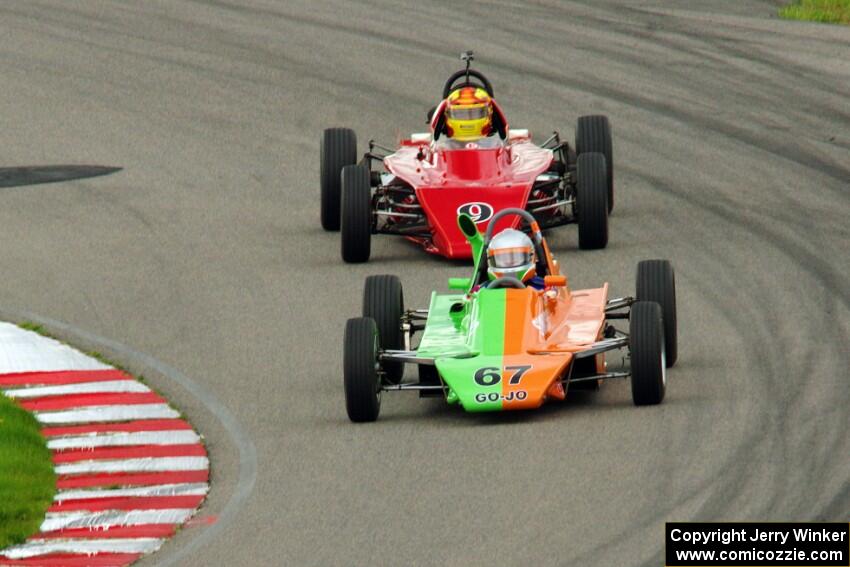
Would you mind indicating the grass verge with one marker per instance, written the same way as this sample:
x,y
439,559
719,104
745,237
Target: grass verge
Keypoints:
x,y
27,480
825,11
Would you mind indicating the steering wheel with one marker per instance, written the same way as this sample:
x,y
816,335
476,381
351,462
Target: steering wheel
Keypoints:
x,y
526,216
500,283
485,84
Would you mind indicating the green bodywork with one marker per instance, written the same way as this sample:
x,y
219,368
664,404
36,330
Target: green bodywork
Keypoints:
x,y
463,335
466,332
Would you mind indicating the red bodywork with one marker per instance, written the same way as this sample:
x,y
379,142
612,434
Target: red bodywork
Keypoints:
x,y
447,179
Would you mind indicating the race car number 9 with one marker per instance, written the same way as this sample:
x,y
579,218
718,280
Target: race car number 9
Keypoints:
x,y
492,375
479,212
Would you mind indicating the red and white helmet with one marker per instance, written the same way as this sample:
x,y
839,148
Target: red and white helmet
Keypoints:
x,y
511,254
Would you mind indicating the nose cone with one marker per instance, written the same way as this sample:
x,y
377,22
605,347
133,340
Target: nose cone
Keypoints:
x,y
496,383
503,376
476,381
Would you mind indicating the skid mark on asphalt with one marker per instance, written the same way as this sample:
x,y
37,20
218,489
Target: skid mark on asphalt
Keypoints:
x,y
37,174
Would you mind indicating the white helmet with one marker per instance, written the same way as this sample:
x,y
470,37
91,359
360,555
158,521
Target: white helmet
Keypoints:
x,y
511,254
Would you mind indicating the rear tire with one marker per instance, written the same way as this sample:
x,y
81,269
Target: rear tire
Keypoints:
x,y
591,201
356,217
646,345
656,282
383,301
338,149
593,134
360,375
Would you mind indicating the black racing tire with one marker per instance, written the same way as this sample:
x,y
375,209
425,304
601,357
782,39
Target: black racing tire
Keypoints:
x,y
646,345
593,134
356,217
359,369
591,202
383,301
656,282
338,149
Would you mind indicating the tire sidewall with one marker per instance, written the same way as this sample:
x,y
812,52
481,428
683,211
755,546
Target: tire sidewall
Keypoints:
x,y
656,281
591,201
337,149
383,301
360,377
356,214
647,352
593,134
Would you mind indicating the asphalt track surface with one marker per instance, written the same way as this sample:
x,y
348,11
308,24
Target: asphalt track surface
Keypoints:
x,y
204,251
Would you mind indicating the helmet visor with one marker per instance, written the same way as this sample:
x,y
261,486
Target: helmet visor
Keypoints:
x,y
467,113
507,258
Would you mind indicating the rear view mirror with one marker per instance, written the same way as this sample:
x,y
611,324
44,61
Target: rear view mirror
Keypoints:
x,y
461,284
555,281
431,112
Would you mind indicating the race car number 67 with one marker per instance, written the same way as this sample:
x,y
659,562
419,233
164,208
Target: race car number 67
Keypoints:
x,y
492,375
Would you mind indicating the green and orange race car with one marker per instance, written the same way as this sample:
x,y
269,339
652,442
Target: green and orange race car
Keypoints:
x,y
501,345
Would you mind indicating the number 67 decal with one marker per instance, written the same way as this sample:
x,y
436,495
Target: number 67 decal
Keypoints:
x,y
492,375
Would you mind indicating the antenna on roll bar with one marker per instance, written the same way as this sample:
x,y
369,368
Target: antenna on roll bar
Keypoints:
x,y
467,56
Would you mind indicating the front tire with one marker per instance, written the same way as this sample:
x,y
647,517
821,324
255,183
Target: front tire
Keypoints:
x,y
593,134
656,282
360,374
591,201
646,346
356,225
338,149
383,301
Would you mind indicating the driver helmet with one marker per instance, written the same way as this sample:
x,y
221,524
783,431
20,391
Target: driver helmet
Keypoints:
x,y
511,254
469,114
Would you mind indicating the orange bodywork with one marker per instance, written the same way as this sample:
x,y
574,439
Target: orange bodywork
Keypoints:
x,y
543,329
503,348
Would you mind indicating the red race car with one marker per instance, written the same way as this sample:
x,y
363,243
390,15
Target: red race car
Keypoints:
x,y
470,162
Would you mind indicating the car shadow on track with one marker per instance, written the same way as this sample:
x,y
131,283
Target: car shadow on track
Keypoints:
x,y
38,174
438,412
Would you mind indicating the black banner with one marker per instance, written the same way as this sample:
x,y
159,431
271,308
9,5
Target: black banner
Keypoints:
x,y
745,544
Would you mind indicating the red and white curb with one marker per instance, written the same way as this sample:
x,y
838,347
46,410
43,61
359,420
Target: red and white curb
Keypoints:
x,y
129,470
